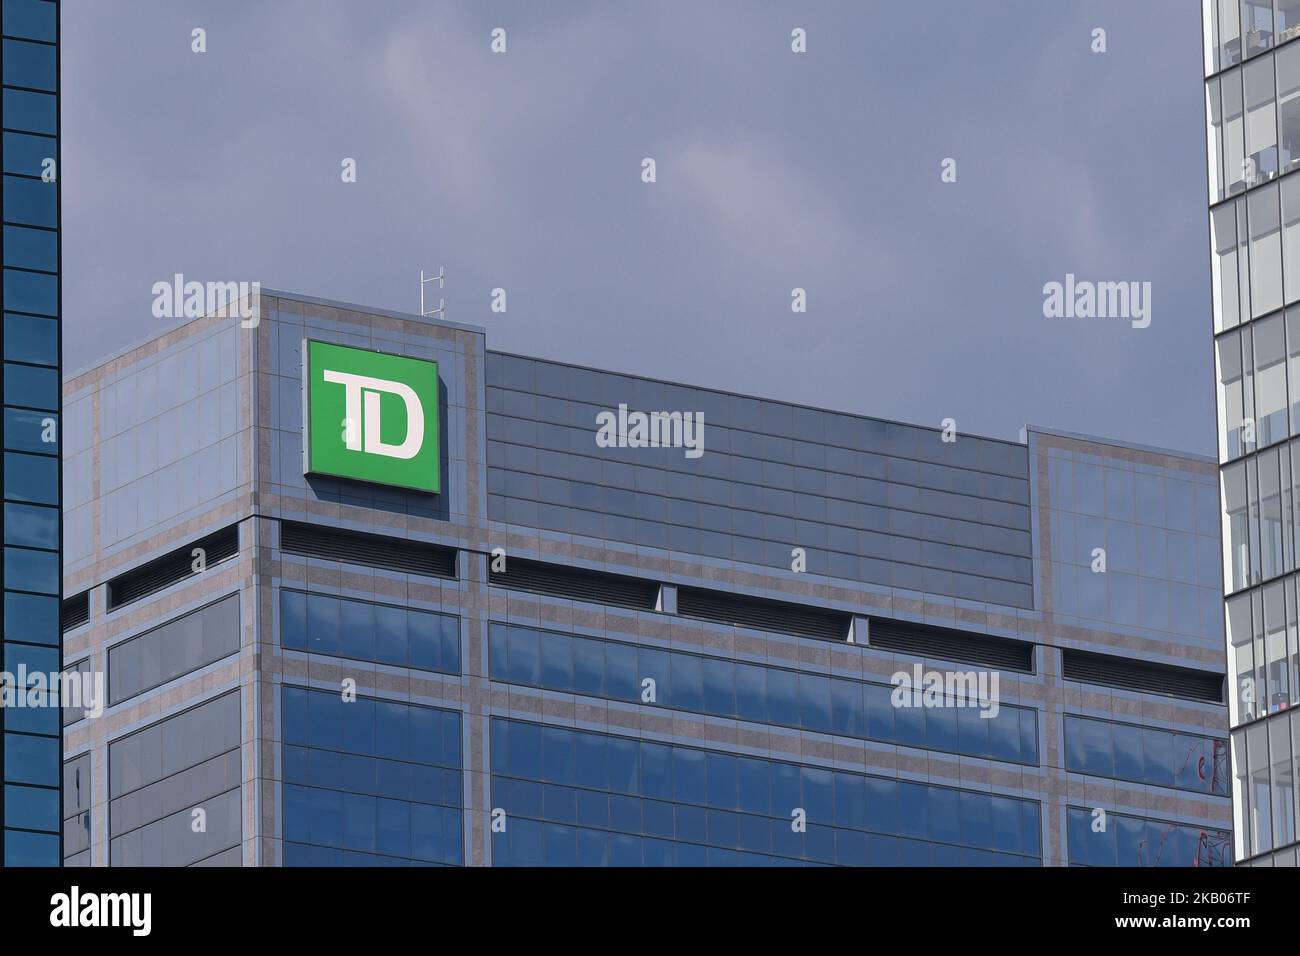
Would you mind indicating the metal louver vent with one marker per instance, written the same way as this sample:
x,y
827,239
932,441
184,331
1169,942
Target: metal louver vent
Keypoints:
x,y
763,614
171,567
75,611
372,550
1165,679
927,640
578,584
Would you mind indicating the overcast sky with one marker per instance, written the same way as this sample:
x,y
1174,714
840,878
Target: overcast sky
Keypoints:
x,y
775,170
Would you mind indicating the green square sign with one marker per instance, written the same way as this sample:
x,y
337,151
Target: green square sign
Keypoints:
x,y
370,416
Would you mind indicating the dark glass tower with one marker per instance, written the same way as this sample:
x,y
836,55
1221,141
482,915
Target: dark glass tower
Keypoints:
x,y
30,753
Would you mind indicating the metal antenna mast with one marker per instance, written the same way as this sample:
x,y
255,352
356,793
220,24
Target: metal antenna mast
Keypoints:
x,y
440,278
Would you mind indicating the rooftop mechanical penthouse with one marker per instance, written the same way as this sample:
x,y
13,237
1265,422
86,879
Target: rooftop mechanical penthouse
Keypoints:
x,y
456,628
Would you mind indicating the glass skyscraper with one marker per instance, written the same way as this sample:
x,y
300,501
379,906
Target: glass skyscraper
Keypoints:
x,y
32,760
579,653
1252,88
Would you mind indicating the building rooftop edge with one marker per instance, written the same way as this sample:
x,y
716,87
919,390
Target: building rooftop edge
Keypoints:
x,y
275,294
1120,443
757,398
412,317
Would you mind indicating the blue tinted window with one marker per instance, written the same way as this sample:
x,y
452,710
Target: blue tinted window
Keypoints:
x,y
31,849
32,19
391,645
31,249
525,656
293,619
449,636
621,681
1137,841
356,629
1198,764
37,388
1130,755
1029,735
1158,753
376,632
724,688
34,112
32,570
372,801
295,715
1004,735
588,665
653,664
424,640
1098,744
30,64
814,702
27,338
32,720
556,660
1145,755
322,624
945,822
909,725
848,710
687,673
1031,824
25,431
31,478
880,712
31,291
940,728
719,686
666,804
32,808
30,202
31,759
31,526
26,154
783,697
751,692
32,617
656,770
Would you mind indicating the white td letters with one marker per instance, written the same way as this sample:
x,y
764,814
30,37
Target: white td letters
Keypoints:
x,y
367,438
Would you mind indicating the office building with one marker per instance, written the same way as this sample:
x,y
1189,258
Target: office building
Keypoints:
x,y
366,592
30,749
1252,86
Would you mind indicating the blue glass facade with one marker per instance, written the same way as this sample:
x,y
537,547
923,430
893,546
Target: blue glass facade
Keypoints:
x,y
29,114
1121,840
721,687
573,798
1164,758
366,631
369,782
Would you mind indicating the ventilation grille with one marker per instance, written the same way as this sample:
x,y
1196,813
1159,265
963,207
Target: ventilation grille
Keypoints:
x,y
75,611
172,567
578,584
372,550
1165,679
926,640
762,614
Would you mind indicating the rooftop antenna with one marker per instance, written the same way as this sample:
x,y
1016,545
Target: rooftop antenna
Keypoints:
x,y
440,278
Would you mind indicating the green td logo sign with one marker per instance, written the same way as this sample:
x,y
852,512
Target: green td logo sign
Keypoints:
x,y
370,416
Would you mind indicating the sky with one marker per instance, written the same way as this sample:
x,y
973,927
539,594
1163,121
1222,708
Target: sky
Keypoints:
x,y
774,170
